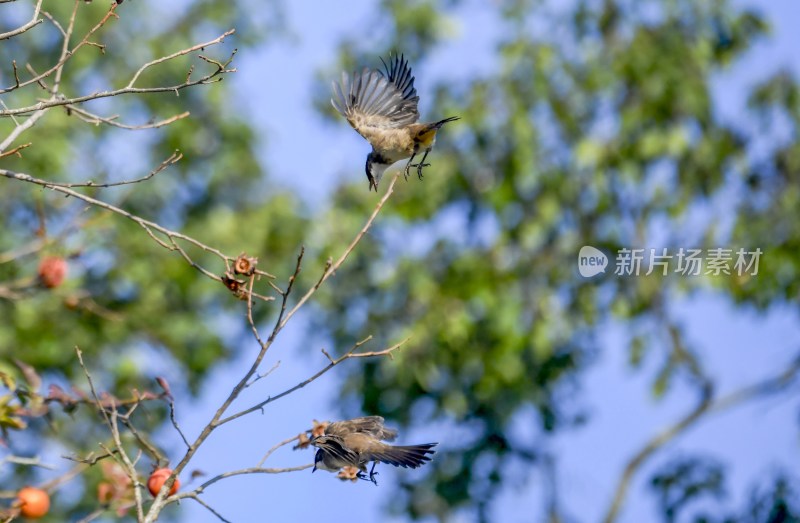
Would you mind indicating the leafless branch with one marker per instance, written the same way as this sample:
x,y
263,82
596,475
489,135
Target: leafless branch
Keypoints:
x,y
183,52
34,21
211,77
333,362
22,460
175,422
240,472
66,52
147,225
119,453
94,119
264,375
92,516
174,158
274,448
208,507
332,268
15,150
706,405
217,419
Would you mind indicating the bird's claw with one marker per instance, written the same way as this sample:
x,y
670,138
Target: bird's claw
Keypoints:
x,y
405,172
370,477
419,167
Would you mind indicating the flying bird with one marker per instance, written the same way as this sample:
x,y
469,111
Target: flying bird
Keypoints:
x,y
356,442
382,107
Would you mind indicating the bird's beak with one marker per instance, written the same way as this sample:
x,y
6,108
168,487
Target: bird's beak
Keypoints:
x,y
377,170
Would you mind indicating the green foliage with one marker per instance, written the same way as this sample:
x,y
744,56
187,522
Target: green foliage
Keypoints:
x,y
592,132
567,145
135,309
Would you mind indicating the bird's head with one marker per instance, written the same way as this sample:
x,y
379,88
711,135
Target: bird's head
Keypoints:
x,y
376,166
317,460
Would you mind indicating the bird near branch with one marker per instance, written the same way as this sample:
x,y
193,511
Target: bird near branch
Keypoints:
x,y
382,107
359,441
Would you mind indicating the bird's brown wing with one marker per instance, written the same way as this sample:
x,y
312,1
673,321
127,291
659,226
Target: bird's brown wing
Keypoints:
x,y
370,425
372,100
410,456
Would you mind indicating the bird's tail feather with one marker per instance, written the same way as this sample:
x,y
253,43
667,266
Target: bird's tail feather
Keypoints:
x,y
440,123
411,456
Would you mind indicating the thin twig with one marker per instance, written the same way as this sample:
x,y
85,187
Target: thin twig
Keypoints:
x,y
111,420
274,448
706,405
127,465
175,422
332,364
147,225
28,462
181,53
207,79
65,56
251,470
161,499
92,515
34,21
92,118
211,77
262,376
16,150
174,158
292,279
208,507
332,268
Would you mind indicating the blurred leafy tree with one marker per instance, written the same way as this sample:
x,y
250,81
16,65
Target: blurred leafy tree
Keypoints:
x,y
135,309
596,125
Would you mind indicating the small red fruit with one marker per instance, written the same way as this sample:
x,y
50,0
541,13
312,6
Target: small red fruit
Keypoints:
x,y
157,480
52,271
33,502
105,492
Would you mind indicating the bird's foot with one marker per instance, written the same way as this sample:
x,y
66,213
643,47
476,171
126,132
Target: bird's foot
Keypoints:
x,y
368,477
419,167
405,172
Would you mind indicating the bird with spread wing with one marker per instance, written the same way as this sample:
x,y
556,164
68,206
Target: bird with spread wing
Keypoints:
x,y
382,107
356,442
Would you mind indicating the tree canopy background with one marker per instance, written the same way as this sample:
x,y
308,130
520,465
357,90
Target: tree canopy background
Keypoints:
x,y
594,123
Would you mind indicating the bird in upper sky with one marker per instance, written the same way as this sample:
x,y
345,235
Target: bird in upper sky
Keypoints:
x,y
356,442
382,107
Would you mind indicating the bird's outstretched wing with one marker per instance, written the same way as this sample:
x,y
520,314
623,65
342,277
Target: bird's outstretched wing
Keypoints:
x,y
371,425
411,456
372,100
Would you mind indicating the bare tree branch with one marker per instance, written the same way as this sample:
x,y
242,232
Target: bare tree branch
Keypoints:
x,y
706,405
332,268
276,447
34,21
94,119
333,362
66,54
217,419
59,101
147,225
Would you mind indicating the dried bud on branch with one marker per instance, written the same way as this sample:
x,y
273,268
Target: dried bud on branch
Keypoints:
x,y
234,285
245,265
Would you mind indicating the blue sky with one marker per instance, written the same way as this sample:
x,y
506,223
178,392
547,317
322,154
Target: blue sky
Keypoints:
x,y
740,345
